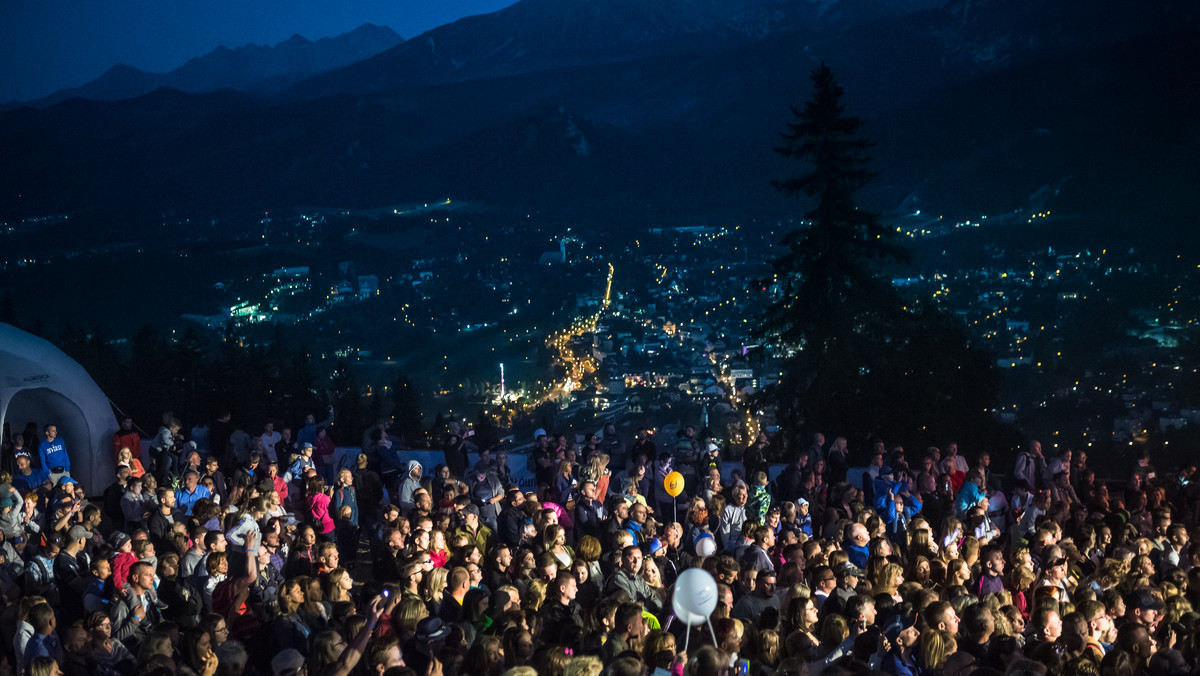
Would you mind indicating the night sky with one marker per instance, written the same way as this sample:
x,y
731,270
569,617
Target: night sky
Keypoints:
x,y
49,45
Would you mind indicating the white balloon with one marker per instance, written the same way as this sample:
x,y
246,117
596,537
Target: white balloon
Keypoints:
x,y
686,616
695,592
706,545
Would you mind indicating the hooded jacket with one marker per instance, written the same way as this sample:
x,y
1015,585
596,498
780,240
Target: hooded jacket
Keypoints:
x,y
662,468
409,486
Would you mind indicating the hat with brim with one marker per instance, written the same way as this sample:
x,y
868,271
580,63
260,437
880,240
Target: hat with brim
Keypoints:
x,y
287,662
432,629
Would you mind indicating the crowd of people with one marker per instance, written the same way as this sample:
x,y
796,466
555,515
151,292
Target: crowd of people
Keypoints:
x,y
272,554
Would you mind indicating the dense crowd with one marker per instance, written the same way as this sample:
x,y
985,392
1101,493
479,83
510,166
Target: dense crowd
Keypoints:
x,y
274,554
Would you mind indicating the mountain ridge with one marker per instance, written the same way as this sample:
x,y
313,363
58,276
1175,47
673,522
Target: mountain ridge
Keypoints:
x,y
684,130
254,68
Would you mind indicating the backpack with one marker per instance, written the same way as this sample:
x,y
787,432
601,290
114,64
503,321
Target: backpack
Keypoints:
x,y
39,581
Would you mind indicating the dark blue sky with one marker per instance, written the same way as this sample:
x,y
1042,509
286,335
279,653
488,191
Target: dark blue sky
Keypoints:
x,y
47,45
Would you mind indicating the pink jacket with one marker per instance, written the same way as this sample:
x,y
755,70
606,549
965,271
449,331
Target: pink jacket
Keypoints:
x,y
318,506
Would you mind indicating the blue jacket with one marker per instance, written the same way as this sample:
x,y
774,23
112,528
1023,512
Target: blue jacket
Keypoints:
x,y
346,495
858,555
912,505
968,495
894,664
880,488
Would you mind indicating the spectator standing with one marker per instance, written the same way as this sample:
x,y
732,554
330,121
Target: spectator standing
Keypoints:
x,y
53,453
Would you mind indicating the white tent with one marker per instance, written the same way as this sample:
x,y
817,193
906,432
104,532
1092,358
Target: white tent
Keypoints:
x,y
40,384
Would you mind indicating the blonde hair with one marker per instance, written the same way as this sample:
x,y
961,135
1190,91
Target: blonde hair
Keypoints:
x,y
1176,607
886,578
410,612
646,567
435,584
535,595
1022,577
936,647
335,592
770,646
583,665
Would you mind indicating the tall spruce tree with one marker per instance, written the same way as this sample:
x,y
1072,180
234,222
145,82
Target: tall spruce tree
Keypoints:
x,y
853,350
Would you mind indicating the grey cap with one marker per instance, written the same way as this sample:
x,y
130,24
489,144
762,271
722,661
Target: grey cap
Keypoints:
x,y
78,532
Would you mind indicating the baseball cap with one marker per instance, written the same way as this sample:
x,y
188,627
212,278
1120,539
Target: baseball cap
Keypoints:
x,y
898,623
307,445
1142,599
287,662
78,532
848,569
471,509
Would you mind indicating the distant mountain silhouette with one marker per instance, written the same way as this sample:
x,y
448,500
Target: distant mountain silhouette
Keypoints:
x,y
642,110
534,35
251,68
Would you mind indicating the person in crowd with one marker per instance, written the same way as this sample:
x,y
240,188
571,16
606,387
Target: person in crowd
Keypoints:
x,y
56,462
825,571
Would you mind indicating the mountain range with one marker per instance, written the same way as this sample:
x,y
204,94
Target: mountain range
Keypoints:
x,y
254,68
640,111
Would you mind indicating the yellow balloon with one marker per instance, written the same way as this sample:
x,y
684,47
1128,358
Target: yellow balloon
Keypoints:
x,y
673,482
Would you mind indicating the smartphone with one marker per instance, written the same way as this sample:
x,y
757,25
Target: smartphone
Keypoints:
x,y
386,593
741,667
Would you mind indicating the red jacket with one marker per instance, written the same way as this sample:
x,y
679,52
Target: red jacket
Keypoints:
x,y
131,440
281,487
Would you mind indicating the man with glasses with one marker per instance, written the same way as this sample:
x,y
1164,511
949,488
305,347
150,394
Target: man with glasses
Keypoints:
x,y
824,582
475,573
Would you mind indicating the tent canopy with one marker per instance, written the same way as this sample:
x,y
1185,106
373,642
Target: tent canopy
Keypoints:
x,y
40,384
